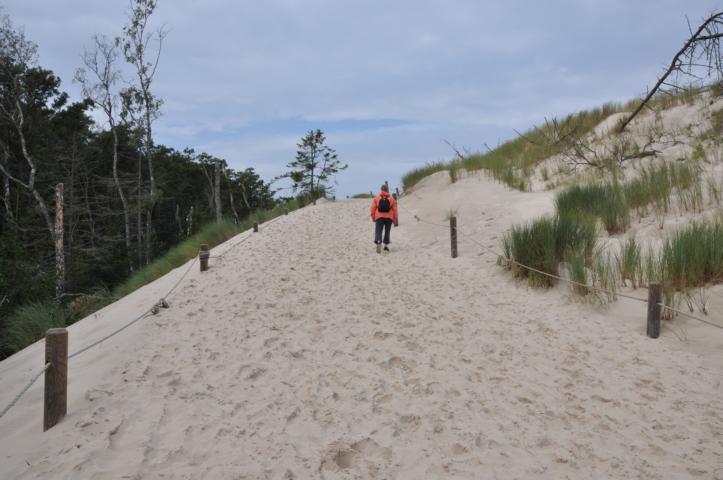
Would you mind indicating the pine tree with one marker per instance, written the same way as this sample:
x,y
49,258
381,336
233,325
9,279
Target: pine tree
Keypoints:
x,y
314,165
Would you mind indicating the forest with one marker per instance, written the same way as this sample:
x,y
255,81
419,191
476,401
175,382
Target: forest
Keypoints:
x,y
87,196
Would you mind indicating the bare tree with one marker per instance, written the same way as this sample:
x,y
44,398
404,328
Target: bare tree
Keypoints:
x,y
698,61
101,62
18,56
138,43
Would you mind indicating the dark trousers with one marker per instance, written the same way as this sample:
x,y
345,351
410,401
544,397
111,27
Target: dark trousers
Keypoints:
x,y
386,224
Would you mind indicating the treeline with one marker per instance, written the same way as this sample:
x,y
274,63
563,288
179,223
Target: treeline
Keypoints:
x,y
125,199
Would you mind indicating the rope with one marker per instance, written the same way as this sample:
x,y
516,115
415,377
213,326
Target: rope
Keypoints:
x,y
532,269
97,342
514,262
690,316
264,225
27,387
152,310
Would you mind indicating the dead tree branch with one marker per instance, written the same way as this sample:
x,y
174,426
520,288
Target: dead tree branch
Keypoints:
x,y
701,54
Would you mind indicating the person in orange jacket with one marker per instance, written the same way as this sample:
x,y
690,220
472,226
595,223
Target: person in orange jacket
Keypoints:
x,y
384,213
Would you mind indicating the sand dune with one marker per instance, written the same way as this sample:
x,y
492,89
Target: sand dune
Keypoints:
x,y
304,354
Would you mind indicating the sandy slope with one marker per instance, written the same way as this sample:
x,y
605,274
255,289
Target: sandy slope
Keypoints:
x,y
306,355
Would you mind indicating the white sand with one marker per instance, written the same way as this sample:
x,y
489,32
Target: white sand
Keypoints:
x,y
307,355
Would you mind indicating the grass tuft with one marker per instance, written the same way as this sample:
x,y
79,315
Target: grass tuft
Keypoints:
x,y
546,242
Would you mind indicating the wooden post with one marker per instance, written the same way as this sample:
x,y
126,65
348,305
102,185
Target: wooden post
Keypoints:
x,y
397,189
256,227
286,211
453,235
203,256
56,377
655,293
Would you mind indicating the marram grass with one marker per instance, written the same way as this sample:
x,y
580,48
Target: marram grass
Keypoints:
x,y
544,243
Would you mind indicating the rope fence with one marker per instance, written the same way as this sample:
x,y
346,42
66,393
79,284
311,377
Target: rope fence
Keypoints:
x,y
55,402
512,262
56,351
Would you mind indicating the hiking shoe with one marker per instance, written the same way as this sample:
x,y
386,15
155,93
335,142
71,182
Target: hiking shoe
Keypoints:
x,y
379,248
386,249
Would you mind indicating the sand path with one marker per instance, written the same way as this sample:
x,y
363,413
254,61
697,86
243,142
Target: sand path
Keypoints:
x,y
304,354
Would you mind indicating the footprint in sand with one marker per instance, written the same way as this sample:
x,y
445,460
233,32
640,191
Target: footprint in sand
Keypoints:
x,y
366,456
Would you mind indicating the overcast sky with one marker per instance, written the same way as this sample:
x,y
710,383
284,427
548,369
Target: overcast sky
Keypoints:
x,y
387,81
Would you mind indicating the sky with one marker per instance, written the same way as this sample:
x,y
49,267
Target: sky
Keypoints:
x,y
387,81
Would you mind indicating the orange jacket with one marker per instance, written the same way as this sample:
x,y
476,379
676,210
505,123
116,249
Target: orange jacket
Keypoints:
x,y
391,214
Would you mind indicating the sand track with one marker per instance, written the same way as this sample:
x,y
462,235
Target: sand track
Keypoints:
x,y
304,354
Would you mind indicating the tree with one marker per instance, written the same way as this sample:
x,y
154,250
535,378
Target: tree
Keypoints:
x,y
24,88
137,43
697,61
314,166
101,62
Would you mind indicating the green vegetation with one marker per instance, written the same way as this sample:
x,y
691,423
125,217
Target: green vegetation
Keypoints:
x,y
213,234
629,262
513,162
693,256
544,243
28,324
612,202
603,201
413,177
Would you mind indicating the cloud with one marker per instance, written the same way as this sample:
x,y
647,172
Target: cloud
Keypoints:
x,y
386,80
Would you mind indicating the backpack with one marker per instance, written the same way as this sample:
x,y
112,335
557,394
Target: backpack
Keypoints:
x,y
384,205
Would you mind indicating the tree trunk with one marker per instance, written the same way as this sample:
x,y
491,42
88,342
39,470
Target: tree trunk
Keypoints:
x,y
178,221
139,213
6,196
124,202
91,222
245,197
217,190
189,222
230,198
151,176
148,236
59,254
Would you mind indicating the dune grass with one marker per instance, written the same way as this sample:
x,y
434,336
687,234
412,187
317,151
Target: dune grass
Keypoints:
x,y
413,177
693,256
604,201
612,202
544,243
513,162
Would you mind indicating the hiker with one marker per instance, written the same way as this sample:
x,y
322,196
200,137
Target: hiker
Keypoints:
x,y
384,213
